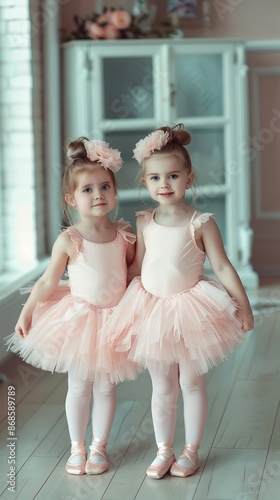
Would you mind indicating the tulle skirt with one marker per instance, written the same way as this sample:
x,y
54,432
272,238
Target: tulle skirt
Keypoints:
x,y
199,324
64,337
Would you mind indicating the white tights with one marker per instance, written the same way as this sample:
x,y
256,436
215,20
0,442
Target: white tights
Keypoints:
x,y
77,408
164,403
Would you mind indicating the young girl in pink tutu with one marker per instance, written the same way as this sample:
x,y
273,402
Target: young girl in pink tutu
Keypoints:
x,y
62,335
178,323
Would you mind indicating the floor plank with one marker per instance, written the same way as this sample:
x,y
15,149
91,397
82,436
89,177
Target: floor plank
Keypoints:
x,y
31,477
249,417
228,474
128,418
270,477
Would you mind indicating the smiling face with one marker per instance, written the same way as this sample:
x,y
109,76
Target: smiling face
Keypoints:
x,y
95,194
166,179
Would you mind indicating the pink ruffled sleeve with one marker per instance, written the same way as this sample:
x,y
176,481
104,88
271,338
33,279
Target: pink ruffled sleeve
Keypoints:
x,y
148,214
122,227
200,219
76,239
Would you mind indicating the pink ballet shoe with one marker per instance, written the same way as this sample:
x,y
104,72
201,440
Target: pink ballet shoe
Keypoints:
x,y
166,456
97,462
78,449
189,454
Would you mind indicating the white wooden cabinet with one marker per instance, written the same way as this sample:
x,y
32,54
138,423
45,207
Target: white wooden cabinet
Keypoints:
x,y
119,91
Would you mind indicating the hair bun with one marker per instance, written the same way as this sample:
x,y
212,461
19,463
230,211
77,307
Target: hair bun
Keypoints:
x,y
76,149
180,135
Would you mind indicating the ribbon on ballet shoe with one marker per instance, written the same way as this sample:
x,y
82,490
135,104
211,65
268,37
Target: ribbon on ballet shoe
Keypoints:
x,y
97,462
77,460
190,456
164,460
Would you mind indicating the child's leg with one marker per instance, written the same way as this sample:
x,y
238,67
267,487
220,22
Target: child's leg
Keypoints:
x,y
195,403
195,415
77,410
103,411
164,403
164,408
77,407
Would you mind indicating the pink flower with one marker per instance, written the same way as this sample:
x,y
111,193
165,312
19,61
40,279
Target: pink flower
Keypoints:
x,y
153,142
100,152
111,32
95,31
88,25
104,18
121,19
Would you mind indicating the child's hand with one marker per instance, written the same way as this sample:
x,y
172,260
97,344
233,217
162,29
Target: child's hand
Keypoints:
x,y
246,317
23,326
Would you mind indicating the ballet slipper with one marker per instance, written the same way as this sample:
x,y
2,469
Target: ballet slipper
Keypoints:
x,y
78,449
190,454
98,462
166,456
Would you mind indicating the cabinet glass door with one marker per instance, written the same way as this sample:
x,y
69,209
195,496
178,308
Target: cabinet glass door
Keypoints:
x,y
198,82
208,156
128,87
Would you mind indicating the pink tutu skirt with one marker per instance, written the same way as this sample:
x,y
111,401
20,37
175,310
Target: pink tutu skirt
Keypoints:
x,y
64,337
198,324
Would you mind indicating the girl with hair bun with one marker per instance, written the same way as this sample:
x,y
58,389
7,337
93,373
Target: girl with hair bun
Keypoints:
x,y
62,335
178,323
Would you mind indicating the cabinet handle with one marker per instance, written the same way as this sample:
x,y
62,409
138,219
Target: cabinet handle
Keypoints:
x,y
172,95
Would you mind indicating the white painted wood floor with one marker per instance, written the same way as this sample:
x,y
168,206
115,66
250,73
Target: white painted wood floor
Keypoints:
x,y
240,452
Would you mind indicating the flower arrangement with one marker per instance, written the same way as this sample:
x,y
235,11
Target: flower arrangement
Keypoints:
x,y
113,24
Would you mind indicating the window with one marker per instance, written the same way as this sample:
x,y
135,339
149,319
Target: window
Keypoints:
x,y
22,242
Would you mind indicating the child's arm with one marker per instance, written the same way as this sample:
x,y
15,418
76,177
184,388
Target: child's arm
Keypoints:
x,y
135,268
45,284
213,244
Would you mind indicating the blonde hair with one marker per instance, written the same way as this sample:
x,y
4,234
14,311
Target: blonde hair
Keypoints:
x,y
77,163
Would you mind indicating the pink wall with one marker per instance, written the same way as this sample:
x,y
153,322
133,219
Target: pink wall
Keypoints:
x,y
265,171
248,19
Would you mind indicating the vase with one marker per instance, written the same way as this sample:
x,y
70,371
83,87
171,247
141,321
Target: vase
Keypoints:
x,y
140,8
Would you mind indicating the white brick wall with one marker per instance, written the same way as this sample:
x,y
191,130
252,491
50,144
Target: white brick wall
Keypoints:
x,y
21,134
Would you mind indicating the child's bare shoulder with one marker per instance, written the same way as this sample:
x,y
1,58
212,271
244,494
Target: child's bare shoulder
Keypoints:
x,y
66,241
143,217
